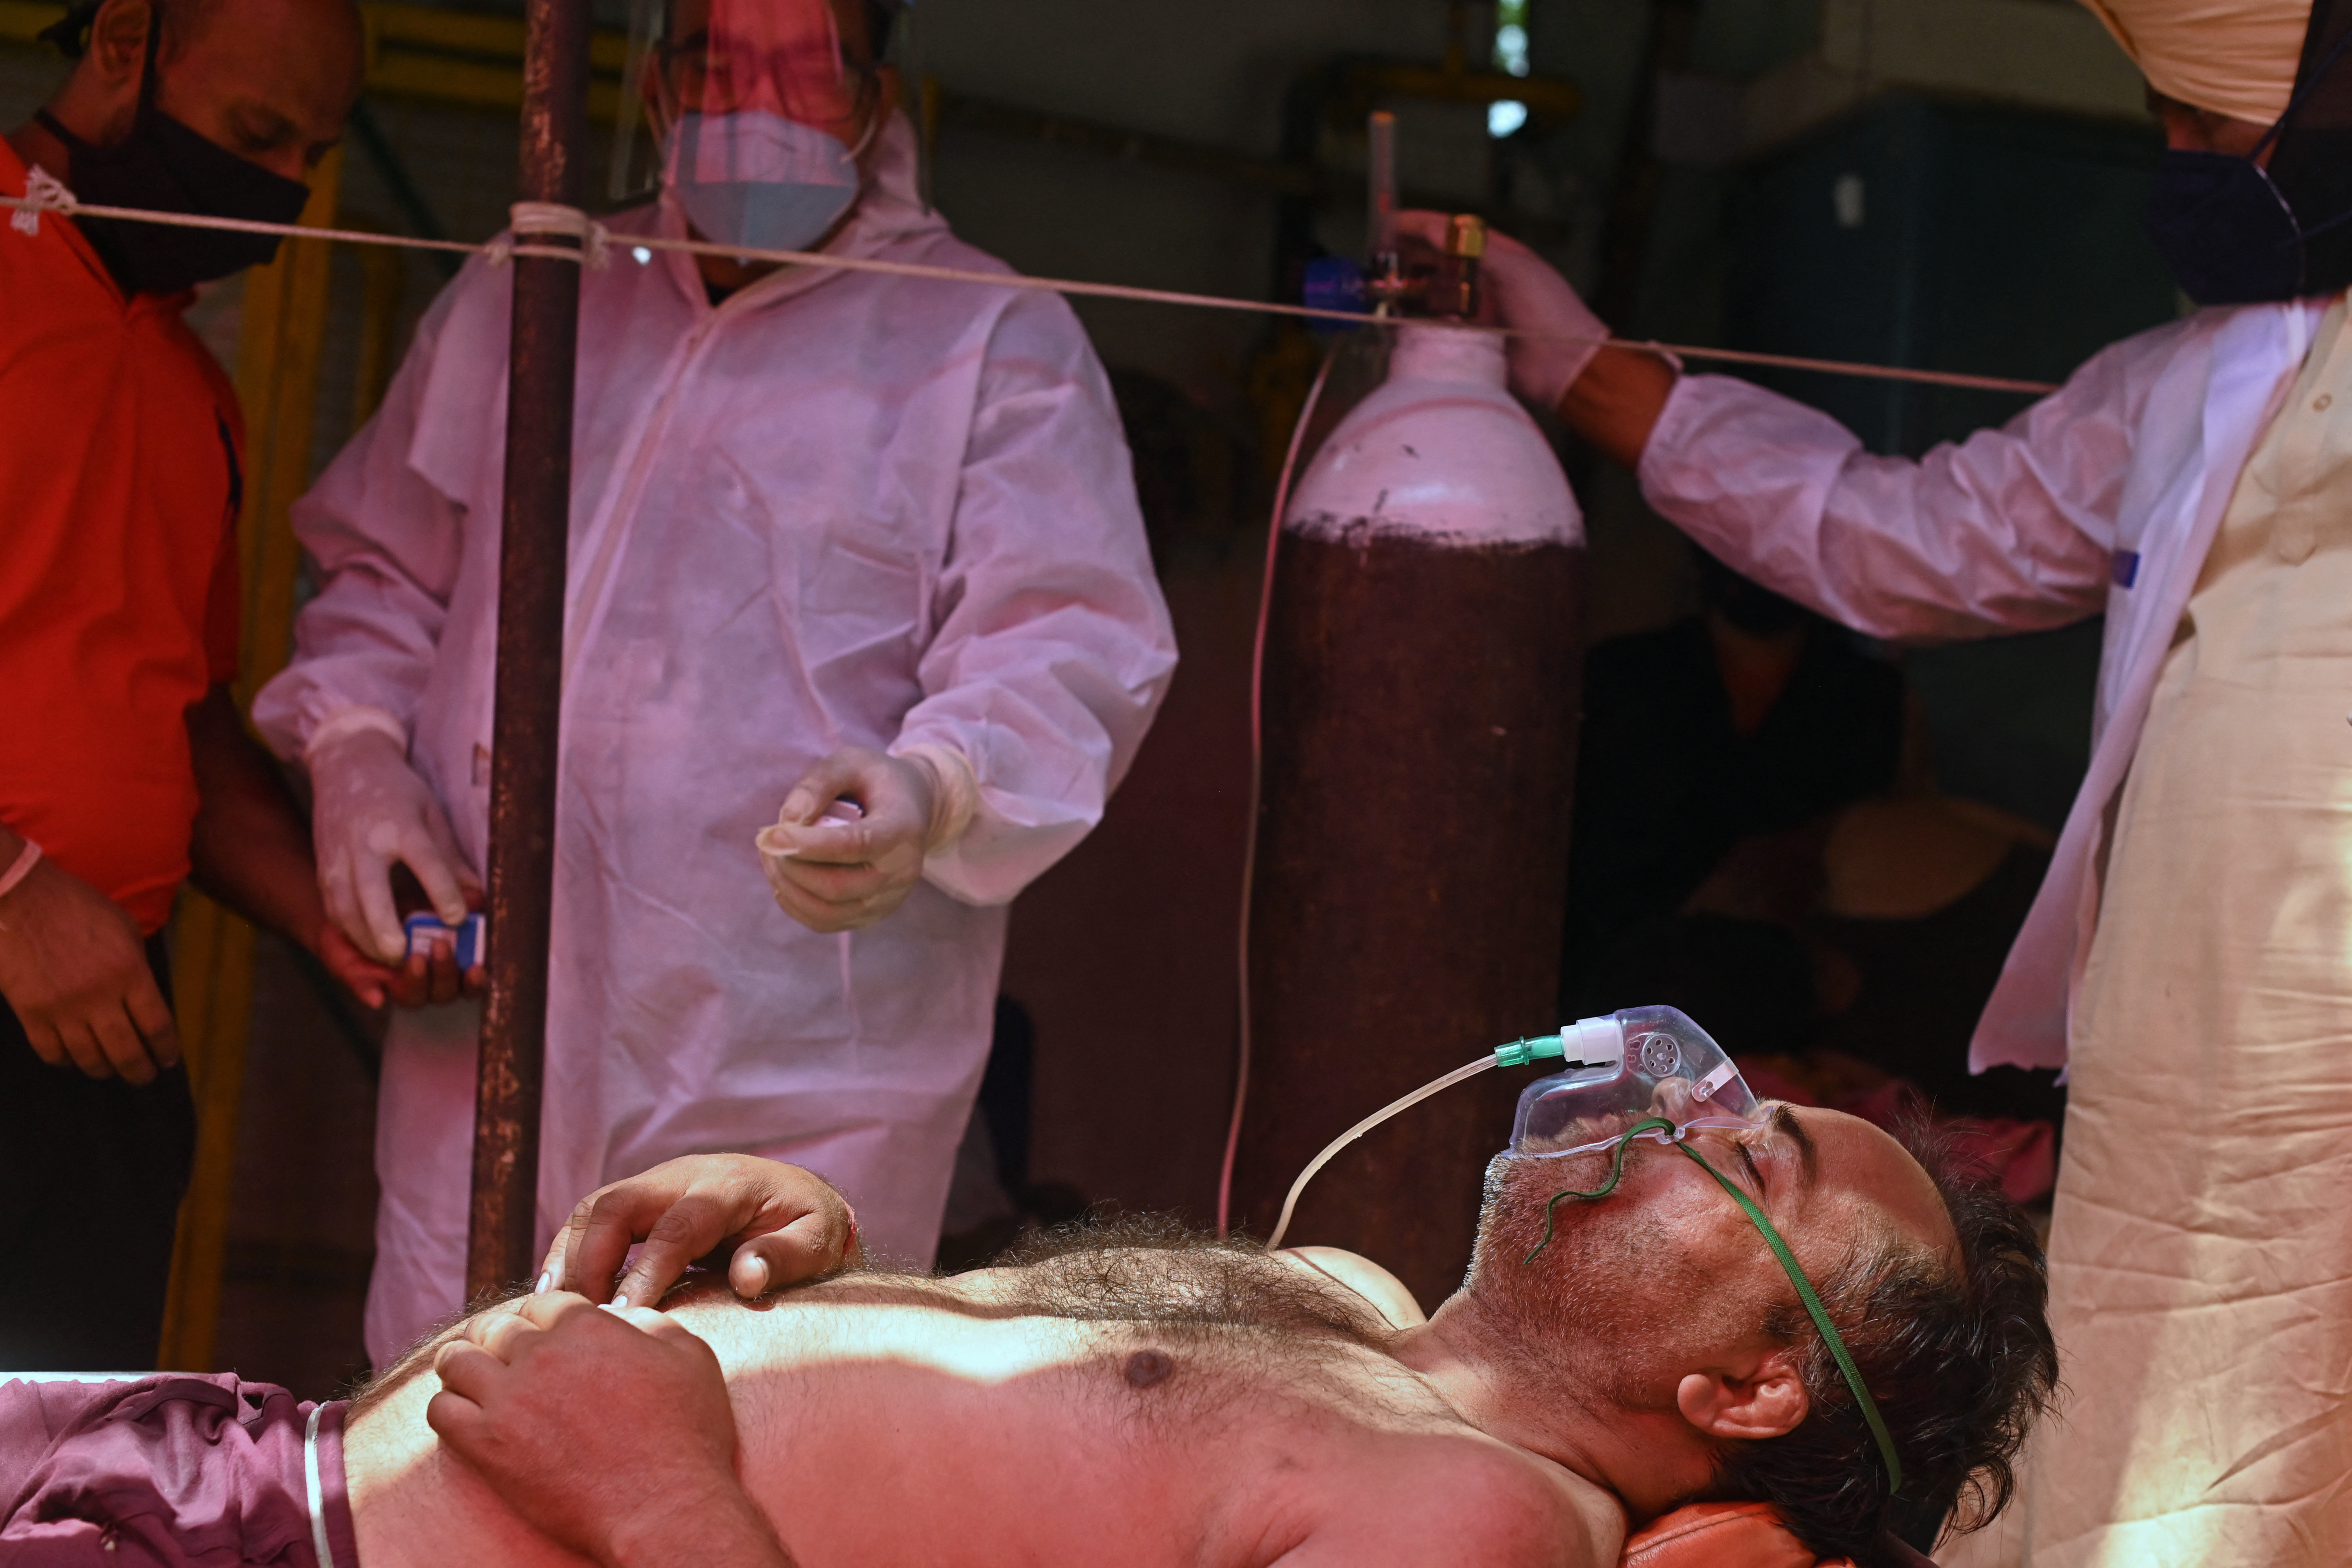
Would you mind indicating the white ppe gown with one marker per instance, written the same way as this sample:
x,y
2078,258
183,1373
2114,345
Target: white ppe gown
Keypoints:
x,y
839,509
2101,496
2198,1288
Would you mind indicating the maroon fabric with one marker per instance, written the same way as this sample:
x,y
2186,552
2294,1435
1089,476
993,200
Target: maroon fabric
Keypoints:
x,y
180,1469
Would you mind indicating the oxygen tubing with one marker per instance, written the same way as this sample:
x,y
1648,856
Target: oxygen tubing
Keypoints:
x,y
1470,1070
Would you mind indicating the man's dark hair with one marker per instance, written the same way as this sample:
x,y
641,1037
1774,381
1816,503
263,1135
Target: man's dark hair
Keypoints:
x,y
1960,1364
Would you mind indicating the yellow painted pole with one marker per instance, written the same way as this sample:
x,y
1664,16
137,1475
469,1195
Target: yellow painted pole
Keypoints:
x,y
282,329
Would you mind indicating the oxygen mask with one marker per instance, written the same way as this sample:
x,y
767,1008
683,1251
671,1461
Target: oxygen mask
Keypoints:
x,y
1638,1065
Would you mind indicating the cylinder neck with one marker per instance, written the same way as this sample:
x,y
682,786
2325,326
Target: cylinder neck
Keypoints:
x,y
1425,353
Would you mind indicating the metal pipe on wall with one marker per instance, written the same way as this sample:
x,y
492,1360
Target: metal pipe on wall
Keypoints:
x,y
500,1243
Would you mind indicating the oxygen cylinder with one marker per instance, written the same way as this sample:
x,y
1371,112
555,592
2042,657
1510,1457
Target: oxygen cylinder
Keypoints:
x,y
1422,663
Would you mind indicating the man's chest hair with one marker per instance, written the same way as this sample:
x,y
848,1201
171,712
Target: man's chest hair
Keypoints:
x,y
1169,1333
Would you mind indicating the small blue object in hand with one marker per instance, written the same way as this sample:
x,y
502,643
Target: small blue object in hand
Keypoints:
x,y
468,935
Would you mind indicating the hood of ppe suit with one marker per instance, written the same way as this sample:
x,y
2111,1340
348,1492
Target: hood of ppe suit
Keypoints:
x,y
2233,57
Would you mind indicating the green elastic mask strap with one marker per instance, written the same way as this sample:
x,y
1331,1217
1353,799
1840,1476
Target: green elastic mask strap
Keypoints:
x,y
1805,1292
1616,1173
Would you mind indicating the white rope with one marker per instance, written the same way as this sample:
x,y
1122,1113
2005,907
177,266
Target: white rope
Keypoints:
x,y
41,186
45,195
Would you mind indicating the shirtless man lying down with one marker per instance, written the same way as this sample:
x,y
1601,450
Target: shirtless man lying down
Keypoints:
x,y
1151,1398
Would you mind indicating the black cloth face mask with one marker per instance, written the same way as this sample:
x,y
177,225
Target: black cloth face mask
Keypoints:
x,y
2234,235
2224,229
164,166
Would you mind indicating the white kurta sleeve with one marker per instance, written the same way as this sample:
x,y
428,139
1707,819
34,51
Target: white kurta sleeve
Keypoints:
x,y
1053,646
2011,530
387,543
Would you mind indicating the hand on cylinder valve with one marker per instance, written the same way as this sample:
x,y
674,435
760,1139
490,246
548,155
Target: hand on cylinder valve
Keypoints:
x,y
836,870
370,813
1610,396
1521,290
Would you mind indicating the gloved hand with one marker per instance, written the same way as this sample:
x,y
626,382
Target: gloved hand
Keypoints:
x,y
834,875
370,812
1523,290
785,1224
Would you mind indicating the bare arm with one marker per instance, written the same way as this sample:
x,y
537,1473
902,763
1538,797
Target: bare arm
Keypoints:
x,y
1382,1291
1615,404
250,850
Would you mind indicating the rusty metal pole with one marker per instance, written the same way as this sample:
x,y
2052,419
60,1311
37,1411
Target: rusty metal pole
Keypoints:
x,y
500,1243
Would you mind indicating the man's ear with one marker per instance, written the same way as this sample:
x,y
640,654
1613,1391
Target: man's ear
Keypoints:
x,y
1768,1401
118,41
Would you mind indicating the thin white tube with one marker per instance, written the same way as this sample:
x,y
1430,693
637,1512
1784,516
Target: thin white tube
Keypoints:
x,y
1470,1070
1257,782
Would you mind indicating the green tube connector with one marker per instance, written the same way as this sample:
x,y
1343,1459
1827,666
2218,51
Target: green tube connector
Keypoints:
x,y
1534,1048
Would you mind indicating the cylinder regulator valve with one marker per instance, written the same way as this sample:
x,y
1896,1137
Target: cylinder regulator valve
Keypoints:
x,y
1452,293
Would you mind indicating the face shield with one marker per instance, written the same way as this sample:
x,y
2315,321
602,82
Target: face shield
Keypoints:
x,y
752,113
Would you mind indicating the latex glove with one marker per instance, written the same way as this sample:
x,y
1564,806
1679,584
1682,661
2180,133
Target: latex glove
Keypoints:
x,y
75,973
369,813
785,1224
609,1432
1524,290
844,876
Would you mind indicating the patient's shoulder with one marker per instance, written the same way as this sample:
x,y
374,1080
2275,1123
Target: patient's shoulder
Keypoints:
x,y
1360,1274
1468,1498
1534,1510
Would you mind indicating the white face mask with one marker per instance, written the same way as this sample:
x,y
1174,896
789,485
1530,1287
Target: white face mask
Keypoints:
x,y
756,179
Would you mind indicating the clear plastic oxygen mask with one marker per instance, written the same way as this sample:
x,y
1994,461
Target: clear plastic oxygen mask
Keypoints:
x,y
1639,1064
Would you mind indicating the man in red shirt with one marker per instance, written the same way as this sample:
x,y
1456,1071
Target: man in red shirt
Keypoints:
x,y
124,766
